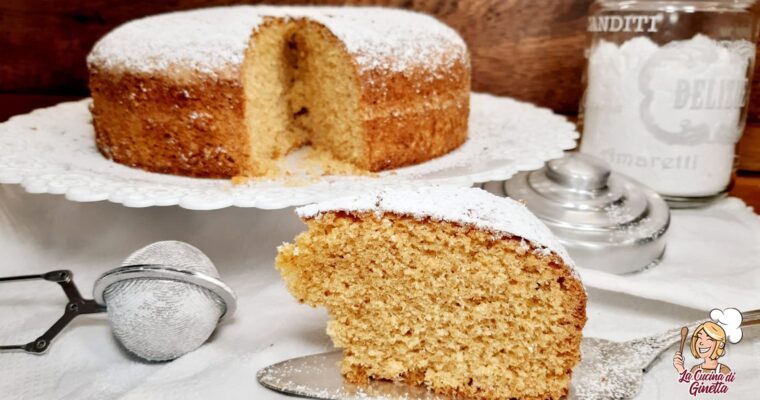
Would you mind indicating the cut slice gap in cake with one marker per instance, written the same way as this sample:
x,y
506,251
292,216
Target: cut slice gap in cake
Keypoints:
x,y
301,87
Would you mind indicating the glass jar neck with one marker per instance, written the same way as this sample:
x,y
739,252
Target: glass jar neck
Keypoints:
x,y
678,5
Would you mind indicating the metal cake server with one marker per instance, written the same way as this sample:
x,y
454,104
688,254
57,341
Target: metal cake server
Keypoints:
x,y
608,370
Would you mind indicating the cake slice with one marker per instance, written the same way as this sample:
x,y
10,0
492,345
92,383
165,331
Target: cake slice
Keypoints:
x,y
459,290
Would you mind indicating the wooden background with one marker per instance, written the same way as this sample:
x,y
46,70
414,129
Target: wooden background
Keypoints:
x,y
528,49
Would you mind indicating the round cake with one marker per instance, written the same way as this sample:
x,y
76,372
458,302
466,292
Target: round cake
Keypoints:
x,y
225,92
456,289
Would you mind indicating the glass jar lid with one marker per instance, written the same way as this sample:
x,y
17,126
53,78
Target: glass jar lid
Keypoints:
x,y
605,220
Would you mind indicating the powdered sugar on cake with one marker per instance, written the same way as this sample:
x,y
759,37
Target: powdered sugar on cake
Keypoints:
x,y
396,40
209,41
467,206
213,41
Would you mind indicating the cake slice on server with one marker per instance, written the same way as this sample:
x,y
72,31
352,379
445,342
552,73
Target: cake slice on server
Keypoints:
x,y
459,290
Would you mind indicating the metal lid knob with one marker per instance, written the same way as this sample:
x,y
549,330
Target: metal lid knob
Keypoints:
x,y
579,171
605,220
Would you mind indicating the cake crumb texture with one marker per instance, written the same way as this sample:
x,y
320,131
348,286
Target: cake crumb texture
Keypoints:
x,y
463,310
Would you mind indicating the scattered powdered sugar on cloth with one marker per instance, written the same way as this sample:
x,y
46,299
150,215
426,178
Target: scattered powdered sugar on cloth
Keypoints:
x,y
467,206
213,41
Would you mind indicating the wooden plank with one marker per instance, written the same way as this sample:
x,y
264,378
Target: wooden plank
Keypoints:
x,y
747,188
528,49
748,148
13,104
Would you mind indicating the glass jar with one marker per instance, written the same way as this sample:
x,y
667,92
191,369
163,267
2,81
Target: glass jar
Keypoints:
x,y
667,90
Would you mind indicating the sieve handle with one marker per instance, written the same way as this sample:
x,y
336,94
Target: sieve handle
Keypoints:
x,y
76,306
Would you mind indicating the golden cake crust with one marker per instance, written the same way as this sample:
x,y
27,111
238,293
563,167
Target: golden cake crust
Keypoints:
x,y
411,118
188,128
184,122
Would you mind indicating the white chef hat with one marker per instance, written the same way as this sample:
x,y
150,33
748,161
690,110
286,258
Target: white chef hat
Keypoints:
x,y
730,320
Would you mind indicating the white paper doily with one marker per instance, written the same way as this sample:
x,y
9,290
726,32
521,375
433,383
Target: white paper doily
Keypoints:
x,y
52,150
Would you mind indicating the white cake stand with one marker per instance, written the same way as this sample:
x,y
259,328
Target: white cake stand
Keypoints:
x,y
52,150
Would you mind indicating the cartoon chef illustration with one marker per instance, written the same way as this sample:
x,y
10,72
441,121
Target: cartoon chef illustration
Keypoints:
x,y
708,342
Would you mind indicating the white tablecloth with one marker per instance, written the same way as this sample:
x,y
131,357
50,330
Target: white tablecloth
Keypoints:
x,y
712,261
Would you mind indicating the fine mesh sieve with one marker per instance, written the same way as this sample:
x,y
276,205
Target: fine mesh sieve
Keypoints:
x,y
175,254
164,301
